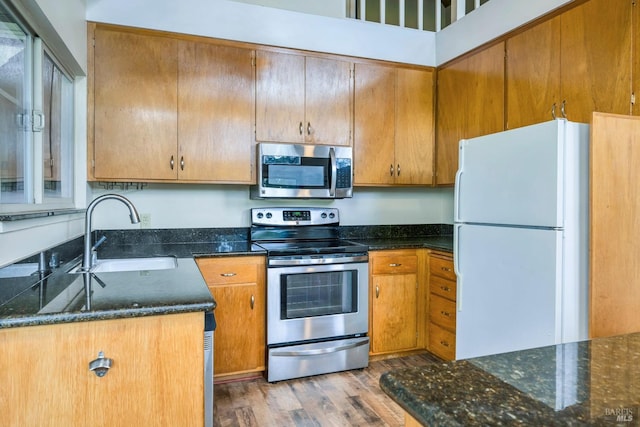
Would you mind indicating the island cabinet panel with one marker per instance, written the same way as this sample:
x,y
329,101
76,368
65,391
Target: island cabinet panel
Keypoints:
x,y
442,305
470,103
614,267
571,65
393,295
303,99
156,362
135,105
393,125
167,109
238,287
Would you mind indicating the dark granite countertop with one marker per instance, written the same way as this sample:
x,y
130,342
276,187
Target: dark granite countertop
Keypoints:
x,y
60,297
586,383
443,243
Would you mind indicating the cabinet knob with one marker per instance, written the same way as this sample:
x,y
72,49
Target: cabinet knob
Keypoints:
x,y
101,365
562,109
300,128
171,162
398,169
445,288
444,343
181,162
227,274
553,111
394,264
309,128
377,291
445,313
390,170
253,301
446,269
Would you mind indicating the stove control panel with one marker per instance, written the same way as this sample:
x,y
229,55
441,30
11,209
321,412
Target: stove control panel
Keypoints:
x,y
294,216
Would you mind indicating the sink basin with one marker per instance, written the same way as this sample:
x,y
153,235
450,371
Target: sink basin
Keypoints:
x,y
131,264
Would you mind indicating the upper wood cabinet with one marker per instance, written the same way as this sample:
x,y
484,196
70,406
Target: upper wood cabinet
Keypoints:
x,y
135,106
303,99
635,55
571,65
167,109
393,126
470,102
215,112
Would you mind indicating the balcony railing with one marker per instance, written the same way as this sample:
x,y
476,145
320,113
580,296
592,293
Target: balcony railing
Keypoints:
x,y
428,15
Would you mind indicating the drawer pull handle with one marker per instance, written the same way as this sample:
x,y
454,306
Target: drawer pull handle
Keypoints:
x,y
445,288
447,269
444,343
253,301
445,313
395,264
227,274
377,291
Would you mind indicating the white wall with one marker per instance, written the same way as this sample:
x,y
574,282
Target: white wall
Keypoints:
x,y
185,206
488,22
257,24
334,8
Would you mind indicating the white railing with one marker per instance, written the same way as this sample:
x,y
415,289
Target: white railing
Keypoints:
x,y
440,12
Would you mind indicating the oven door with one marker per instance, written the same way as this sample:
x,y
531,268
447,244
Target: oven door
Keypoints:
x,y
316,302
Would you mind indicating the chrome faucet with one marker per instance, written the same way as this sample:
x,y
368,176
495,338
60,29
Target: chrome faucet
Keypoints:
x,y
133,214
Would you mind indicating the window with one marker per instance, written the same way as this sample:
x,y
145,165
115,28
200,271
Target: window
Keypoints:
x,y
36,123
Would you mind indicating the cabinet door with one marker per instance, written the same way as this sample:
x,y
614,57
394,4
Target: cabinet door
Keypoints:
x,y
374,125
135,113
157,361
215,113
328,106
280,87
635,69
485,103
596,59
614,211
451,109
394,308
533,75
414,127
237,338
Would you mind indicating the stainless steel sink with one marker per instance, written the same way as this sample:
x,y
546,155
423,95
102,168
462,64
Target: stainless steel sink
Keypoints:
x,y
131,264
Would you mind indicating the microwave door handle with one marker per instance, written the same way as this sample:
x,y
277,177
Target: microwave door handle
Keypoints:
x,y
334,172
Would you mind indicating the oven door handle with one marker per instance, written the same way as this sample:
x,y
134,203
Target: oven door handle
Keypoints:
x,y
316,261
320,351
334,172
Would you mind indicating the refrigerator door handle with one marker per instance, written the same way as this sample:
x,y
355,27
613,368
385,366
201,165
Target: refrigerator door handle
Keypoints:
x,y
456,192
456,265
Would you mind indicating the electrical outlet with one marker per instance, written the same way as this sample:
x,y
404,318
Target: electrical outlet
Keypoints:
x,y
145,220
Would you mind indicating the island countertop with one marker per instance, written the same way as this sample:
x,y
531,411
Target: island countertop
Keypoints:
x,y
595,382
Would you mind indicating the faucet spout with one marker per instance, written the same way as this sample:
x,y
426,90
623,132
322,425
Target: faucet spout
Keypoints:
x,y
133,214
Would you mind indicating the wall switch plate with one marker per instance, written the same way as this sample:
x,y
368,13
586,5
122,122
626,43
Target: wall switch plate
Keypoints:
x,y
145,220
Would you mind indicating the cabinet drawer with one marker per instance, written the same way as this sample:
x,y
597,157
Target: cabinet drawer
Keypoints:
x,y
443,312
395,264
442,342
221,271
442,267
443,287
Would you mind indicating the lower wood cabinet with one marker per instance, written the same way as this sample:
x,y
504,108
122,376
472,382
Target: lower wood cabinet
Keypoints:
x,y
393,295
238,286
442,305
156,376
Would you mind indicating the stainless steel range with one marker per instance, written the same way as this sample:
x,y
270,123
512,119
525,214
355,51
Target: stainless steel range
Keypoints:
x,y
317,293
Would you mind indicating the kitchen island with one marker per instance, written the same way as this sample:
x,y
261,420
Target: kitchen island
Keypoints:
x,y
583,383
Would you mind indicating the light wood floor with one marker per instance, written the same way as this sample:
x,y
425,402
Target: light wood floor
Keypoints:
x,y
342,399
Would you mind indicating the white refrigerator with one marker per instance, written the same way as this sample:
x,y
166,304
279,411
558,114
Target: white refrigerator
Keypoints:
x,y
521,239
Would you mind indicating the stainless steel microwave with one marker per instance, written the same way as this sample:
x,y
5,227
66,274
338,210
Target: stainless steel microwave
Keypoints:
x,y
289,171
